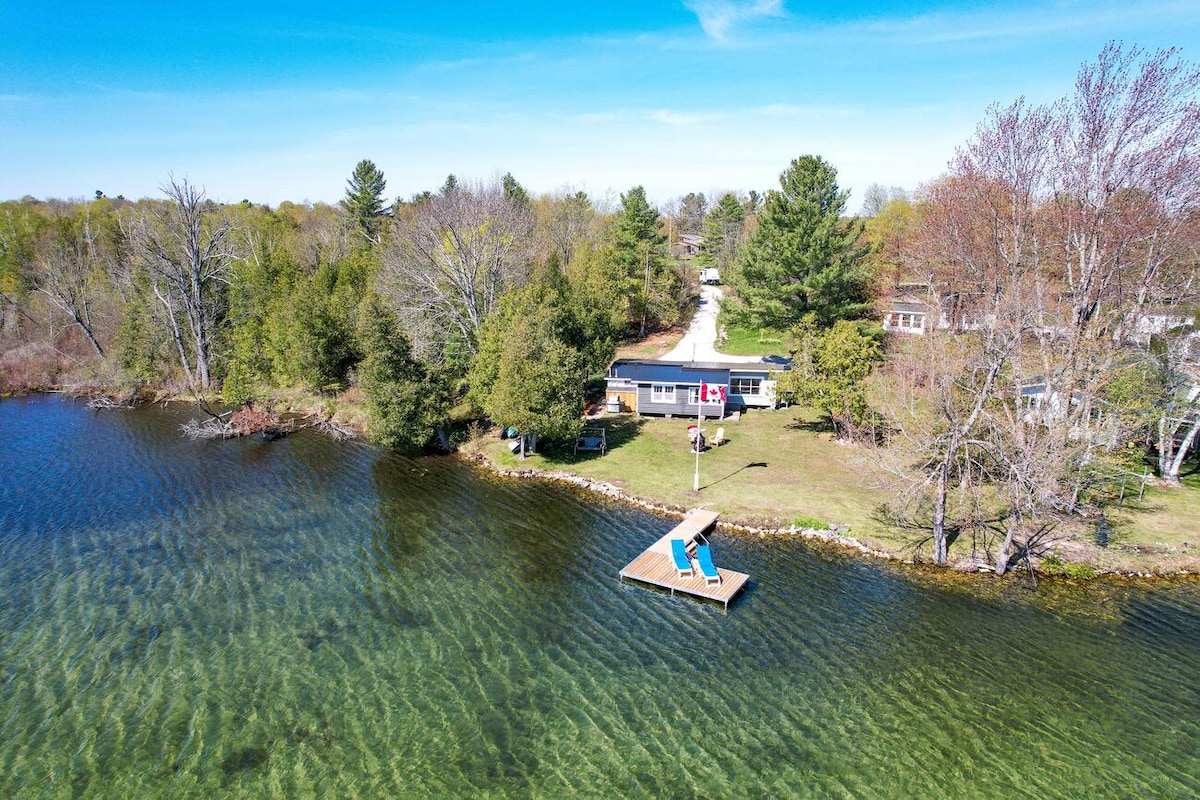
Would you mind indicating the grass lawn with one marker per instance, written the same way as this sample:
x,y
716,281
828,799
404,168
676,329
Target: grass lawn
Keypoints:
x,y
1165,522
753,342
778,466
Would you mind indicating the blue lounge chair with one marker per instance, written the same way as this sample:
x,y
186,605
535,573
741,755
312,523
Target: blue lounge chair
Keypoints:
x,y
679,555
704,559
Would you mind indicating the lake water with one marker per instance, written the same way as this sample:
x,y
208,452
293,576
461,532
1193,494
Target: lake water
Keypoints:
x,y
304,618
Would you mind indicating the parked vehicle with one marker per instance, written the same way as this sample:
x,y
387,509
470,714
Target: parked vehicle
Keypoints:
x,y
710,275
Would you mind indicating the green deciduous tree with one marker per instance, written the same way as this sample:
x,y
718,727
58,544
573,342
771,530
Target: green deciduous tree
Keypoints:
x,y
890,231
804,257
566,221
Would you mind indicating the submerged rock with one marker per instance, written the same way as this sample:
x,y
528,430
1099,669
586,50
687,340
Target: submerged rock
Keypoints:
x,y
244,759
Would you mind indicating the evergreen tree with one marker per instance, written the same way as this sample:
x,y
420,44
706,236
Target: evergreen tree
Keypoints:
x,y
529,371
649,286
723,226
407,403
513,190
364,203
804,258
829,370
691,212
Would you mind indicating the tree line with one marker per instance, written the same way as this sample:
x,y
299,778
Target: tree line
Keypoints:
x,y
1056,258
476,297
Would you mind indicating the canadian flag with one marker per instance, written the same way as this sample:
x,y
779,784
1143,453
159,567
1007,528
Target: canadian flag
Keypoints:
x,y
710,393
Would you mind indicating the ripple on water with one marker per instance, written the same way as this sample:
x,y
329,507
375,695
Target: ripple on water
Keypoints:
x,y
305,618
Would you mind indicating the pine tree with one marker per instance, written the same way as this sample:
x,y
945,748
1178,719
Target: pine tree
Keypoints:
x,y
723,226
364,202
692,209
513,190
648,284
804,258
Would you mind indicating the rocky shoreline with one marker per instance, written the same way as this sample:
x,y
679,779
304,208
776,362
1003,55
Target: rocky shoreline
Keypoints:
x,y
835,535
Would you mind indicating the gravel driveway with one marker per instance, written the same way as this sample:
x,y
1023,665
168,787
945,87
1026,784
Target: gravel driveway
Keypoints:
x,y
699,343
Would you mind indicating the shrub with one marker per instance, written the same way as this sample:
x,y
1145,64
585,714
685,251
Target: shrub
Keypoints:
x,y
1053,565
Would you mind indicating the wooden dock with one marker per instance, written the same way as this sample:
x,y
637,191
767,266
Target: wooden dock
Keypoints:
x,y
656,567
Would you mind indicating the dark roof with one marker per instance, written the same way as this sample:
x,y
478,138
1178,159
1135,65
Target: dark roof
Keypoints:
x,y
910,308
669,372
641,371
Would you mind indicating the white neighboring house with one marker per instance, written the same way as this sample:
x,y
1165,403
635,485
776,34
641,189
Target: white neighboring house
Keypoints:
x,y
916,309
913,310
1042,406
907,316
1157,321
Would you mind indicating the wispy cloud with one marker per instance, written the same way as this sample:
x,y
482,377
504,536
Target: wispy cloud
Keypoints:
x,y
718,16
1039,21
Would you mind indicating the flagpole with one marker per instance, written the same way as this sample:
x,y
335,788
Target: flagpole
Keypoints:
x,y
699,420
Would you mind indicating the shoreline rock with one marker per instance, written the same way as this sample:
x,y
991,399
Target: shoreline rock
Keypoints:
x,y
835,535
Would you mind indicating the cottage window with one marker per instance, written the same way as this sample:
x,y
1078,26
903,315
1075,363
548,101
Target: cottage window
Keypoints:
x,y
746,386
906,320
662,393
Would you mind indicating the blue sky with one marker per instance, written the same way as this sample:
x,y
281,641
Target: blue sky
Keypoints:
x,y
271,104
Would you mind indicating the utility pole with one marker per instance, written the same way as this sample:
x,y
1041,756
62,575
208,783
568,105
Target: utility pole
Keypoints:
x,y
645,293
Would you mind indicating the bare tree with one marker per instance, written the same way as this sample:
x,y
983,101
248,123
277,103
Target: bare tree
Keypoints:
x,y
877,196
187,246
452,258
1179,403
68,259
568,219
1058,227
980,233
1127,158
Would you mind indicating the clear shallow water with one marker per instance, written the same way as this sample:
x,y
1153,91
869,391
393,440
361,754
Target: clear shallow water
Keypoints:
x,y
304,618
